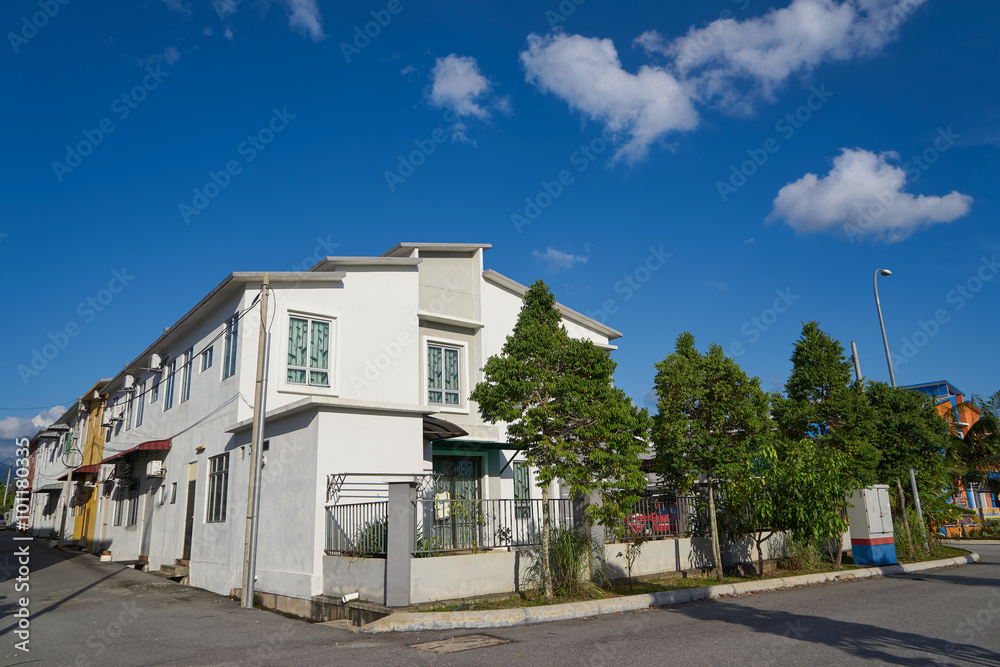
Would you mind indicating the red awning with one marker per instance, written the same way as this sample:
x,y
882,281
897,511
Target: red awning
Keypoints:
x,y
82,470
151,446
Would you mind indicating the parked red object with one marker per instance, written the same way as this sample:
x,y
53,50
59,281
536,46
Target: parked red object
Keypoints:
x,y
655,518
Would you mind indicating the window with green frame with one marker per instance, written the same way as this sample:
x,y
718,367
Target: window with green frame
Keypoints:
x,y
308,352
522,491
443,375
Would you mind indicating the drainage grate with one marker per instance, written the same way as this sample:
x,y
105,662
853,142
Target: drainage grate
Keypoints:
x,y
456,644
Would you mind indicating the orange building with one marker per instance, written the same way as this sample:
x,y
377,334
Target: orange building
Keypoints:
x,y
950,403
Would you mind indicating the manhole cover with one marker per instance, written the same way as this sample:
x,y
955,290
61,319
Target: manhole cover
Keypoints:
x,y
456,644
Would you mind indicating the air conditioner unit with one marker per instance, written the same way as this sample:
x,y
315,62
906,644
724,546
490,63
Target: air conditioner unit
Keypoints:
x,y
155,363
155,469
106,420
129,382
122,469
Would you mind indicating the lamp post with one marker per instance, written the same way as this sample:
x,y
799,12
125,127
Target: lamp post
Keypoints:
x,y
892,379
885,341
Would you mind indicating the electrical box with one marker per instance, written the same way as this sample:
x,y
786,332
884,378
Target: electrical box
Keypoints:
x,y
872,541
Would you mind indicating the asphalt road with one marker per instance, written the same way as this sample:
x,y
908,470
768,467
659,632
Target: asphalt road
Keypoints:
x,y
84,612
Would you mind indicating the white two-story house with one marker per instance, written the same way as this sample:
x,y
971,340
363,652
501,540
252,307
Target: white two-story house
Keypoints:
x,y
372,360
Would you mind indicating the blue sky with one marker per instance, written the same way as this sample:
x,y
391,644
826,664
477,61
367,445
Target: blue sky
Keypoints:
x,y
768,149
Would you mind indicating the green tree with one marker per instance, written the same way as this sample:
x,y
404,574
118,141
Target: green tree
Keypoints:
x,y
557,397
712,423
823,405
909,433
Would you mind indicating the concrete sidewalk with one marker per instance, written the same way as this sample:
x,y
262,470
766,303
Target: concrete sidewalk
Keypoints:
x,y
502,618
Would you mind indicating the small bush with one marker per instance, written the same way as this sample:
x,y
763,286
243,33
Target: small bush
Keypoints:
x,y
570,553
991,531
799,554
372,537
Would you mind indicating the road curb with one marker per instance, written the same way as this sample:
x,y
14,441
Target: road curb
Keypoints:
x,y
504,618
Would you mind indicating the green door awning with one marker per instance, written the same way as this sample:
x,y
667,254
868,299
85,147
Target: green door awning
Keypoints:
x,y
475,445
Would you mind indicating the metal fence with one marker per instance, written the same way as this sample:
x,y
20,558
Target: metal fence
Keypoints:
x,y
471,525
361,529
658,516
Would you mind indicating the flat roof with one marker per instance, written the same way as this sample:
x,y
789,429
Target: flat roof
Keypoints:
x,y
436,247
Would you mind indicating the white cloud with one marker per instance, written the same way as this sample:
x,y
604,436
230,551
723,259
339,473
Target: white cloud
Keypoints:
x,y
228,33
169,56
728,64
863,194
555,260
178,6
764,51
19,427
457,84
409,69
304,16
587,74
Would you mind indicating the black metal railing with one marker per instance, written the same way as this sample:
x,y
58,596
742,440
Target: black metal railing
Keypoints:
x,y
360,529
472,525
657,516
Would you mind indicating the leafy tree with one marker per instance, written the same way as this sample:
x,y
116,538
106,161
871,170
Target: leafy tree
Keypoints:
x,y
557,397
909,433
712,423
754,502
823,405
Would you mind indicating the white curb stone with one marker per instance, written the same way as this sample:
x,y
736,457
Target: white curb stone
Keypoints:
x,y
502,618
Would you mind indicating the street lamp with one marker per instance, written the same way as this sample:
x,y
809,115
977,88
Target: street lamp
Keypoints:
x,y
892,379
878,305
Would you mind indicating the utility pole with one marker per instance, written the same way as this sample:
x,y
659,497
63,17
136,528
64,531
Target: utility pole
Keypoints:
x,y
857,362
256,440
10,464
77,431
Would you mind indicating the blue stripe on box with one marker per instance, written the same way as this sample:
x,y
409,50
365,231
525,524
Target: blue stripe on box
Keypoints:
x,y
874,554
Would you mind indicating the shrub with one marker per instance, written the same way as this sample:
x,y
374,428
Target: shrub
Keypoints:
x,y
800,554
570,554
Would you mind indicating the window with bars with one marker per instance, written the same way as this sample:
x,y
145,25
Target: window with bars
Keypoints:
x,y
133,505
186,376
522,491
168,394
119,508
139,405
308,352
218,487
130,402
443,375
154,391
232,337
206,359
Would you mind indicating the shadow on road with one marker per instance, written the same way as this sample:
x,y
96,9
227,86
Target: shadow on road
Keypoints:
x,y
7,609
856,639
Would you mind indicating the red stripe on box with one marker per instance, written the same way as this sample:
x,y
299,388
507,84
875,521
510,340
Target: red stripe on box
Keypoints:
x,y
877,540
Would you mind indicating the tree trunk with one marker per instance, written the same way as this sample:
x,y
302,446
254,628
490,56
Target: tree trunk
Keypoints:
x,y
838,557
906,521
760,551
546,566
716,553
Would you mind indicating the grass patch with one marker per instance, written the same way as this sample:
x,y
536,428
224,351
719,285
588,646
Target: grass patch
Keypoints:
x,y
621,587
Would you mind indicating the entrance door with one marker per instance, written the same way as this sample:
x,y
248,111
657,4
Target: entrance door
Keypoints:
x,y
189,516
457,525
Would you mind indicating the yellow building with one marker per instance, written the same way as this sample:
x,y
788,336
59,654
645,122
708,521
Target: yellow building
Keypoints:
x,y
88,444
